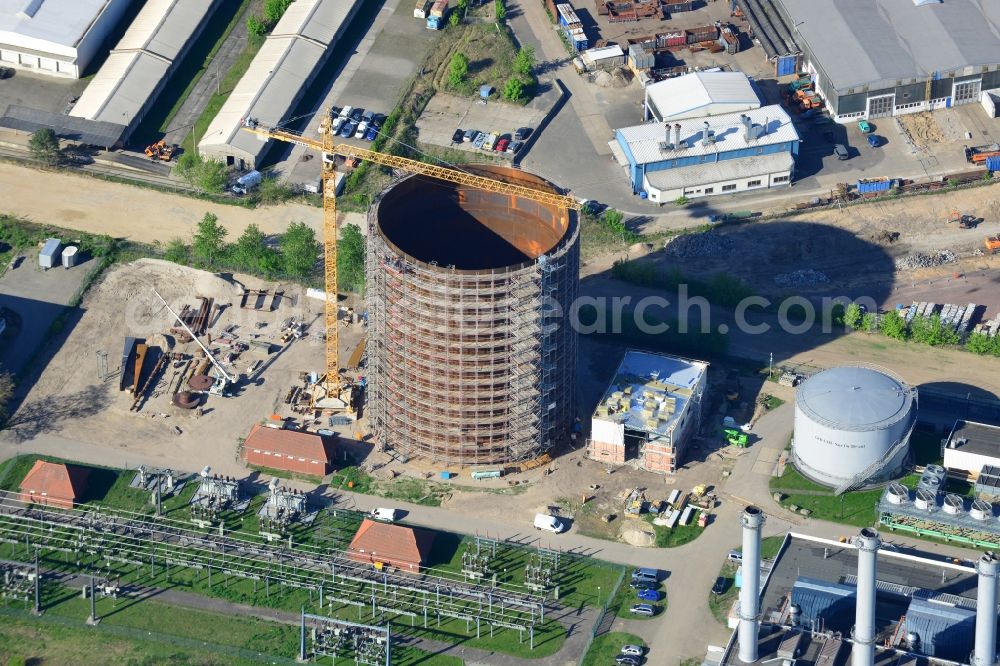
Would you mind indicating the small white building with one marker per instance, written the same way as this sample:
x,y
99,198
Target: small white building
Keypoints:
x,y
56,37
971,446
699,95
605,57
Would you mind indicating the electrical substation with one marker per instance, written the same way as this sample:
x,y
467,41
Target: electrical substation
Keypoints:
x,y
283,508
339,639
161,484
20,581
215,495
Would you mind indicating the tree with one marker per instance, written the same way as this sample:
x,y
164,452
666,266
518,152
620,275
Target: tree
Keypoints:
x,y
893,325
205,175
299,250
252,253
274,10
458,69
44,146
209,240
524,61
256,26
453,19
513,90
177,251
351,258
853,316
868,322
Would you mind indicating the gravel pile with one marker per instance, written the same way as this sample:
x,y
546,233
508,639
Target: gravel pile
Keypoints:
x,y
691,246
801,278
914,261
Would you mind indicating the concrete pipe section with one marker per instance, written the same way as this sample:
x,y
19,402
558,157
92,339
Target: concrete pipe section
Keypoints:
x,y
470,356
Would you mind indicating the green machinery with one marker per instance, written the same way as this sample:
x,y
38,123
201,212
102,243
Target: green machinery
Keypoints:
x,y
735,437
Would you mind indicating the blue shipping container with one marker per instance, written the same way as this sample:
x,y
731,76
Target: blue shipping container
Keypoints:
x,y
787,65
993,163
874,186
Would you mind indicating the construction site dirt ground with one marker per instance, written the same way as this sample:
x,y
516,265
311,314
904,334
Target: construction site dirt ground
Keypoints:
x,y
70,403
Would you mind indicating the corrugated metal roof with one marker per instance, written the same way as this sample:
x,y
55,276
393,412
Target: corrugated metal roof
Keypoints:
x,y
869,42
141,60
819,599
684,95
945,631
277,74
644,141
714,172
56,22
854,398
89,132
605,52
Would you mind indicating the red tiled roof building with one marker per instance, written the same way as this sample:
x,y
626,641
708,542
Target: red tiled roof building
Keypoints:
x,y
288,450
54,484
403,548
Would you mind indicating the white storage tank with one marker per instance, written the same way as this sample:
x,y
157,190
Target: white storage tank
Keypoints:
x,y
70,256
849,418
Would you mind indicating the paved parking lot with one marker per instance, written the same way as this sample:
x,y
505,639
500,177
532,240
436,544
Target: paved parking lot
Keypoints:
x,y
446,113
372,78
36,91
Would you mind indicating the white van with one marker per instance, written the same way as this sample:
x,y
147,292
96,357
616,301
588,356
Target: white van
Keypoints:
x,y
385,515
547,523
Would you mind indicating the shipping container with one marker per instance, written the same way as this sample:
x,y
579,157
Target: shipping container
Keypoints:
x,y
439,8
639,58
420,10
577,38
677,38
703,34
993,163
567,16
50,256
786,65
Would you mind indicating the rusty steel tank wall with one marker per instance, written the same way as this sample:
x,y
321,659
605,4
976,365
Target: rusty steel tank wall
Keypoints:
x,y
470,356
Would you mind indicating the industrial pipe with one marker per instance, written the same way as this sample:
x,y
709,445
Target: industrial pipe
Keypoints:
x,y
867,543
988,568
753,522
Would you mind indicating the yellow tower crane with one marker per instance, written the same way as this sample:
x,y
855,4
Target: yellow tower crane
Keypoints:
x,y
331,381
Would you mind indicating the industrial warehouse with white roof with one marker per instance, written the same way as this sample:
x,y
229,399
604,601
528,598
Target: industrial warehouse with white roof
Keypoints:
x,y
878,58
277,78
56,37
649,411
699,94
137,71
707,156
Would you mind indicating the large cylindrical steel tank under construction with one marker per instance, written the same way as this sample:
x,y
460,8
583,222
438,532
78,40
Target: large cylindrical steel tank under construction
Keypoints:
x,y
470,356
852,421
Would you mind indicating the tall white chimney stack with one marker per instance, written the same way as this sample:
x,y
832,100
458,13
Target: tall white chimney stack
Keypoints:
x,y
988,567
867,543
753,522
677,136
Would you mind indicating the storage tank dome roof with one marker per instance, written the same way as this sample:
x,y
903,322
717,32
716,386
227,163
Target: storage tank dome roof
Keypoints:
x,y
854,398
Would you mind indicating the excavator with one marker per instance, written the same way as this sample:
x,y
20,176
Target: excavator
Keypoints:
x,y
331,391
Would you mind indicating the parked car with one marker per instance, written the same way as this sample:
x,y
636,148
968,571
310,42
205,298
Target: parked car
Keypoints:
x,y
378,119
646,575
334,111
643,609
864,126
362,129
643,585
649,595
626,660
490,141
6,72
384,515
515,147
632,650
469,135
371,133
338,124
346,111
350,127
840,150
720,585
522,133
874,140
458,136
735,556
368,116
479,139
547,523
502,145
357,113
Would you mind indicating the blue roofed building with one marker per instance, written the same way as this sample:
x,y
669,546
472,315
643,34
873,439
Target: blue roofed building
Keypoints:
x,y
944,627
822,603
708,156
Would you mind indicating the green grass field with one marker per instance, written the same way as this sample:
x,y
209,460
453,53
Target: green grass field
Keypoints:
x,y
607,646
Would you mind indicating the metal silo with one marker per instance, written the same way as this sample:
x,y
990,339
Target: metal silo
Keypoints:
x,y
470,358
852,426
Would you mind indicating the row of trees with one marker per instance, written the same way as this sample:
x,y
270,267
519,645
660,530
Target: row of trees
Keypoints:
x,y
260,25
925,330
293,254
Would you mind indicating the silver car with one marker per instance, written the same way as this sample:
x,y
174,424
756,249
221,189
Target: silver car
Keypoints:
x,y
632,650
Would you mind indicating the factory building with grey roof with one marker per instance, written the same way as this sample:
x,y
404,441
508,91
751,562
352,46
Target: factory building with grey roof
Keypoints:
x,y
880,58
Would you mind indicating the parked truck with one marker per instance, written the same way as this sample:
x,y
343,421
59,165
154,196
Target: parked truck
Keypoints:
x,y
420,10
247,182
437,14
